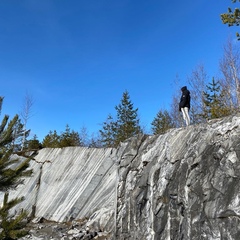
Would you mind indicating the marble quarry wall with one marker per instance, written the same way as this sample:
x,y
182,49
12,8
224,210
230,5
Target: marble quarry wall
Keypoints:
x,y
184,184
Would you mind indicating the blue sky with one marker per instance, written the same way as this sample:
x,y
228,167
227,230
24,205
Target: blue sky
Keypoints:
x,y
76,58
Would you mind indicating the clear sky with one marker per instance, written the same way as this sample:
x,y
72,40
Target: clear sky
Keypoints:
x,y
77,57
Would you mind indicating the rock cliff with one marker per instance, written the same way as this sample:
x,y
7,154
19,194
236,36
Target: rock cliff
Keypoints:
x,y
184,184
181,185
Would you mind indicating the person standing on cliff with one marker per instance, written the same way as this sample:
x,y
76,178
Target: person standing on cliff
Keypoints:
x,y
184,104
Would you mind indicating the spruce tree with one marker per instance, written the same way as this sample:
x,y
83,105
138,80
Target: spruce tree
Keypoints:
x,y
213,101
125,126
108,132
127,119
162,122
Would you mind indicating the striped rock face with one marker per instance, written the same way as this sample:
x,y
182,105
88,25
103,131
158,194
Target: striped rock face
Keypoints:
x,y
71,183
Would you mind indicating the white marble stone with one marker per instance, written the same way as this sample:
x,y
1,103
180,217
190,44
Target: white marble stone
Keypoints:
x,y
70,183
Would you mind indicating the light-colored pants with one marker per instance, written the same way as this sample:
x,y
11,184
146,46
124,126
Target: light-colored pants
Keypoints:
x,y
186,115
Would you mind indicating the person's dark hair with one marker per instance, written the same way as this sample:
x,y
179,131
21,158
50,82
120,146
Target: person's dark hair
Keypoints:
x,y
184,88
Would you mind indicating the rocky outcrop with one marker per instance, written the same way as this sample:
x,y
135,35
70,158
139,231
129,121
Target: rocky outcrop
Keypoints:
x,y
181,185
184,184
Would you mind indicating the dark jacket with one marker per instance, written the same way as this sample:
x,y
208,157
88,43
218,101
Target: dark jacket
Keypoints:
x,y
185,98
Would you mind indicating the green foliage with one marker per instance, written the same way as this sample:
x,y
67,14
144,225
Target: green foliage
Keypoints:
x,y
12,173
70,138
17,134
125,126
162,122
51,140
10,177
66,139
34,144
127,119
108,132
1,101
232,18
213,101
12,226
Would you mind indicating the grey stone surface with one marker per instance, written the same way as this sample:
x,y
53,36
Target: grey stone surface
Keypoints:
x,y
71,183
181,185
184,185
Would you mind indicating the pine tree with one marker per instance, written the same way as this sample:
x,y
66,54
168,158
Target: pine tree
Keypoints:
x,y
10,178
12,173
12,226
232,18
162,122
20,136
